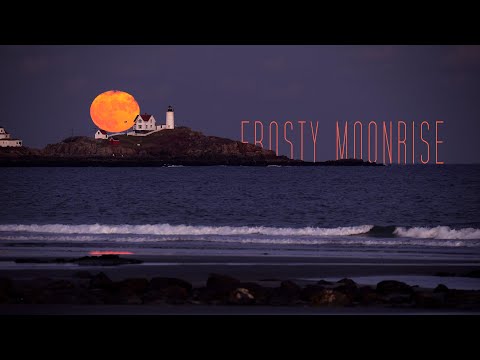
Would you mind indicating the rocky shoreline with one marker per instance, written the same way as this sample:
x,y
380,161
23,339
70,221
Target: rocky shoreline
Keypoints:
x,y
180,146
86,288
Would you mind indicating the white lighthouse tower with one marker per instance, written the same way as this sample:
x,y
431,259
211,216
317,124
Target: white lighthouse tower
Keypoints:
x,y
170,122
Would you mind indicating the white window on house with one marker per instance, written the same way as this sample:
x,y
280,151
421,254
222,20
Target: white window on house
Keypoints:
x,y
139,126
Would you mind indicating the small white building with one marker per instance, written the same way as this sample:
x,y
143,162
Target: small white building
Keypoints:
x,y
144,125
101,134
6,139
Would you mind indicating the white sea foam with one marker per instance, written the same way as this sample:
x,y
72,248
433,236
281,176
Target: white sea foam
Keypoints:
x,y
441,236
167,229
439,232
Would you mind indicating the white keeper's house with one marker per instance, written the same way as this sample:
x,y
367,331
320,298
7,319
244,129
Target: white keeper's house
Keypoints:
x,y
6,139
144,125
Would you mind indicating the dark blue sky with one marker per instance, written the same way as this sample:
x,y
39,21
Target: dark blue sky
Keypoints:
x,y
47,90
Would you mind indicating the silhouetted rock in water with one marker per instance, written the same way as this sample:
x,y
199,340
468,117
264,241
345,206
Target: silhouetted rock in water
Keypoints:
x,y
101,281
241,296
330,297
387,287
440,289
83,275
472,274
444,274
105,260
159,283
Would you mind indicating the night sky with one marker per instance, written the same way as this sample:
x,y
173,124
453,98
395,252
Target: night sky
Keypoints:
x,y
47,90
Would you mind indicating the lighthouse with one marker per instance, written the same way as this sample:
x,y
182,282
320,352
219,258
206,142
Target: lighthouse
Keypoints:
x,y
170,122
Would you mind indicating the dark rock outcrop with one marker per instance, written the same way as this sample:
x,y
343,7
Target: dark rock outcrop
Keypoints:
x,y
160,283
179,146
428,299
330,297
105,260
309,291
288,293
83,275
241,296
387,287
440,289
101,281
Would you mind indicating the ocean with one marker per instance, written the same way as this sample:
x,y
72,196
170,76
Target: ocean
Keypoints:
x,y
392,211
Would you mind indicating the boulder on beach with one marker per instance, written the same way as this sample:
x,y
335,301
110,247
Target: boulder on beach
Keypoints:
x,y
309,291
428,299
133,285
259,292
330,297
348,287
324,282
441,289
159,283
393,287
241,296
100,281
218,281
288,293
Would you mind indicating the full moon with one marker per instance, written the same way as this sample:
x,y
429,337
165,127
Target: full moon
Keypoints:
x,y
114,111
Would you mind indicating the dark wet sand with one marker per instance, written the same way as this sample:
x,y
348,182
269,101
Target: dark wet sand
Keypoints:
x,y
196,269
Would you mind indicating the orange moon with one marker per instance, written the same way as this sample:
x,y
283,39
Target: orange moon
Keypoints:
x,y
114,111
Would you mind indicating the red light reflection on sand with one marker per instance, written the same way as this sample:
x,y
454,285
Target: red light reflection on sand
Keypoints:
x,y
110,252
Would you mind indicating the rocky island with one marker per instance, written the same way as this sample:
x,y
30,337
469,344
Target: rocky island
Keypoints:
x,y
179,146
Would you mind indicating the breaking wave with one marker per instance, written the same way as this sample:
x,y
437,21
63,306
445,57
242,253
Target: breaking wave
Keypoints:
x,y
439,232
166,229
367,235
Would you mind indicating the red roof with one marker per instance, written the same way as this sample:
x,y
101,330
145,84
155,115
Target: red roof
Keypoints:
x,y
102,131
145,117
